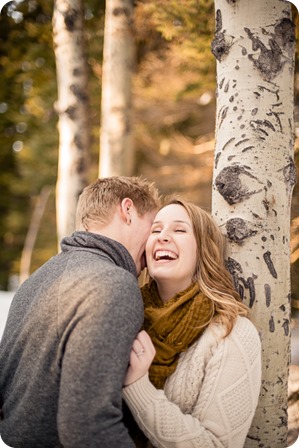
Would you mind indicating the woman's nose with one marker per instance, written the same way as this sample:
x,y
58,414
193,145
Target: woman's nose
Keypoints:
x,y
164,236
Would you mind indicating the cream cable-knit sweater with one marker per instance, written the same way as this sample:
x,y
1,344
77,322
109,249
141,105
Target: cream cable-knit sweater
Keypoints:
x,y
210,399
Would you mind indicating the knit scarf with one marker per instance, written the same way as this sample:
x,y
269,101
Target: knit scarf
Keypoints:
x,y
173,326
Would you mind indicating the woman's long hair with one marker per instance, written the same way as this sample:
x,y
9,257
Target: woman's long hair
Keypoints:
x,y
211,274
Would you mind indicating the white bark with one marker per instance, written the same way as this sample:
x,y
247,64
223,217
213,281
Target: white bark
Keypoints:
x,y
254,175
72,107
116,140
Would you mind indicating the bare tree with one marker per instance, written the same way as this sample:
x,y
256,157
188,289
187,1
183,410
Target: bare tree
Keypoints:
x,y
116,140
73,110
38,211
254,175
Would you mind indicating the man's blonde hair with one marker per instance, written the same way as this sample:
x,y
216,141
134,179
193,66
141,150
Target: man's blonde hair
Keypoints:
x,y
98,201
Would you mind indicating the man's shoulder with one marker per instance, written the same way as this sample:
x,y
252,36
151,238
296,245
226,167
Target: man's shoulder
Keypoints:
x,y
97,264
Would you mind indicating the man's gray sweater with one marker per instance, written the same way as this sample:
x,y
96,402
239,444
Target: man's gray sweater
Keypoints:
x,y
65,348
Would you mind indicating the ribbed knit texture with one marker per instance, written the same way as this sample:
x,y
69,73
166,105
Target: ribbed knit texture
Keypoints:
x,y
173,326
210,399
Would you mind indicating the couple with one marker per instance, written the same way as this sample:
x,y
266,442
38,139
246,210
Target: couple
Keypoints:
x,y
79,321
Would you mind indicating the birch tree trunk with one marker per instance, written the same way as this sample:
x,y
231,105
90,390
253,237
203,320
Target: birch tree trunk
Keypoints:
x,y
32,233
254,174
116,140
72,108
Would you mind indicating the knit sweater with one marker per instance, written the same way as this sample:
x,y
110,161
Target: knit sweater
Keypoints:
x,y
65,349
210,399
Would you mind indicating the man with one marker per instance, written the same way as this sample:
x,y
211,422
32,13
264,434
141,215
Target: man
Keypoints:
x,y
65,348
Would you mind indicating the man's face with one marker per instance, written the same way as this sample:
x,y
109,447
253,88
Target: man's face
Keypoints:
x,y
140,230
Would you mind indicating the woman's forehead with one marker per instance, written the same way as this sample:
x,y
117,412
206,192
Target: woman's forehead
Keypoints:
x,y
172,212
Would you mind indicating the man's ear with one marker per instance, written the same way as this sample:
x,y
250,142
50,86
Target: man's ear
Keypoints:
x,y
126,206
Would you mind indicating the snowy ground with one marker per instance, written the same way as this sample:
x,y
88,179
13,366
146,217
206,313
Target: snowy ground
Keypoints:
x,y
5,300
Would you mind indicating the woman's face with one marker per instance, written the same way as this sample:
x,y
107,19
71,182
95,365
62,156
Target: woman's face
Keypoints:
x,y
171,250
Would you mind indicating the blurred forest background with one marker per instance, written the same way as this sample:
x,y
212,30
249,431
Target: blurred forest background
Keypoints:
x,y
174,114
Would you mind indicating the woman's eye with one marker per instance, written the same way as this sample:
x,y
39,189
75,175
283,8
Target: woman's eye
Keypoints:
x,y
156,231
180,230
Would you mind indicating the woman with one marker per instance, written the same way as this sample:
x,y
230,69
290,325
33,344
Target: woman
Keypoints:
x,y
195,372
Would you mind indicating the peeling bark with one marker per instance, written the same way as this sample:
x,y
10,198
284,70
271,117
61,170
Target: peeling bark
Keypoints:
x,y
271,60
118,11
234,267
271,325
285,34
269,263
268,295
250,285
241,284
286,326
238,230
231,186
220,45
290,174
71,16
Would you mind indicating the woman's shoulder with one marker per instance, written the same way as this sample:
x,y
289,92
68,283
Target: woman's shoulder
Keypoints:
x,y
246,336
243,334
243,340
213,350
245,329
242,325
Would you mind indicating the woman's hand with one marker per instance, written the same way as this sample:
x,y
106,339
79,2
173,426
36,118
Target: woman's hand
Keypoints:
x,y
141,357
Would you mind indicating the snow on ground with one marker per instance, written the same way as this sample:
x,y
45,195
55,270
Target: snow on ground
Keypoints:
x,y
5,301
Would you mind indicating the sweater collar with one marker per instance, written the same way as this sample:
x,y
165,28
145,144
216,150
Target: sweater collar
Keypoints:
x,y
103,246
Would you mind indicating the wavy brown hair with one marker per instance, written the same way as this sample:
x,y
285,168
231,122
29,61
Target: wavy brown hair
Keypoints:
x,y
211,274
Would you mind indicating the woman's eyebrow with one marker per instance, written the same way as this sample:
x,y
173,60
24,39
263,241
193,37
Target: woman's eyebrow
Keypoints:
x,y
176,221
181,221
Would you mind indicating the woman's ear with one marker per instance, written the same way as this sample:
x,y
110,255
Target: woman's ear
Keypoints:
x,y
126,206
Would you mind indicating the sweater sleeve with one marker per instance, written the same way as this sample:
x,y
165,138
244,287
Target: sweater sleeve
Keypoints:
x,y
224,406
97,343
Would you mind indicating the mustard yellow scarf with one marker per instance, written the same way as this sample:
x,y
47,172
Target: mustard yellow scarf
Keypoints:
x,y
173,326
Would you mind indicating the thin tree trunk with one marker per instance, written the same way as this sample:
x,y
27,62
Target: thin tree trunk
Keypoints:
x,y
73,110
30,239
254,174
116,140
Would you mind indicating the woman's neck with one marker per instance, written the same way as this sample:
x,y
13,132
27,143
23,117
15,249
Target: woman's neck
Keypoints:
x,y
168,289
